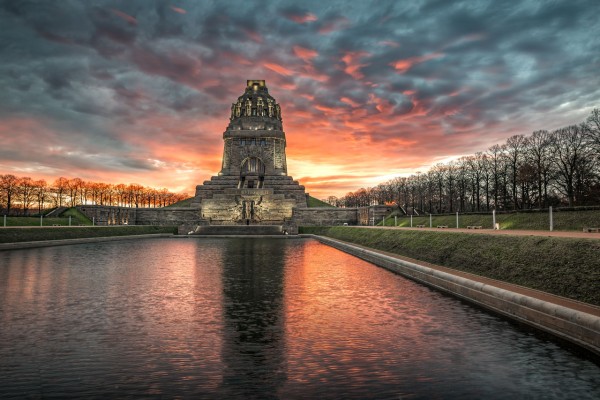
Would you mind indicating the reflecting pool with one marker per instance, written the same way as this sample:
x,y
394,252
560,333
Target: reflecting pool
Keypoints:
x,y
255,318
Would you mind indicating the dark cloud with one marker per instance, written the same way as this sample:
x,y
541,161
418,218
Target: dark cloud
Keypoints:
x,y
127,80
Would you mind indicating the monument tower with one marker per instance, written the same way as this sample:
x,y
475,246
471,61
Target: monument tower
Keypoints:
x,y
253,187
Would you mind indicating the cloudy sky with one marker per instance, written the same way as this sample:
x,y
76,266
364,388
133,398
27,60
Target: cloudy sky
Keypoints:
x,y
140,91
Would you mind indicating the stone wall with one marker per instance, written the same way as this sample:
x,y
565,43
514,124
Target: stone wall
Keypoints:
x,y
190,217
112,215
325,216
168,216
372,215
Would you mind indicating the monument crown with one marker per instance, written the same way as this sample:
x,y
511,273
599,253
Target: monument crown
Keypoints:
x,y
256,102
254,141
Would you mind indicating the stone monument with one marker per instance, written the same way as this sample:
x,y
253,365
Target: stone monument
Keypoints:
x,y
252,194
253,187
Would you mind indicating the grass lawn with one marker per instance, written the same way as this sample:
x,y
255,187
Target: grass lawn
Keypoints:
x,y
77,218
563,220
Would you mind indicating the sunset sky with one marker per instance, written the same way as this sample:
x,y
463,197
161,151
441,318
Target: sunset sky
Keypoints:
x,y
140,91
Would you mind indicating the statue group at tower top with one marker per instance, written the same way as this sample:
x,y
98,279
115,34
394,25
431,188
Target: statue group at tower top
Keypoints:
x,y
256,102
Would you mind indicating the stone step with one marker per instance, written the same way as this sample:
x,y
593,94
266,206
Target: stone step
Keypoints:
x,y
242,230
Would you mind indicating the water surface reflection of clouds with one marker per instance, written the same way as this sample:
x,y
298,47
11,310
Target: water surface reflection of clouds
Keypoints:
x,y
255,318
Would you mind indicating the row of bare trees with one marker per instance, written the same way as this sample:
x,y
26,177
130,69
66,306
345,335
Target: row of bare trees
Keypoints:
x,y
23,195
558,168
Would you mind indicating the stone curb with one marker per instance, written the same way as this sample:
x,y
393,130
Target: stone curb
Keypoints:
x,y
237,236
577,327
64,242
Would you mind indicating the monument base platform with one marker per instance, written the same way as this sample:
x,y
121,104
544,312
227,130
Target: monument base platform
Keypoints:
x,y
239,230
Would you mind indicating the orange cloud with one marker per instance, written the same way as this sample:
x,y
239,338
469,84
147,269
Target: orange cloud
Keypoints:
x,y
279,69
308,71
353,66
383,106
334,25
302,19
178,10
126,17
304,53
349,102
401,66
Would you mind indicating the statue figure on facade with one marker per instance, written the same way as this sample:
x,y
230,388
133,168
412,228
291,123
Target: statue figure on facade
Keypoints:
x,y
260,106
238,109
248,107
278,111
232,110
270,107
248,210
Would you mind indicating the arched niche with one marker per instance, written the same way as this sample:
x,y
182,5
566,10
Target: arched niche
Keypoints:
x,y
252,173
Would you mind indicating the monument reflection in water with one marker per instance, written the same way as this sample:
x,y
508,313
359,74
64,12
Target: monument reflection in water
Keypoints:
x,y
253,309
255,319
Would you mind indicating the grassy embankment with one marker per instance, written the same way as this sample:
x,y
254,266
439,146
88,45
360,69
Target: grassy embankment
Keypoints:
x,y
314,202
12,235
182,203
563,220
562,266
77,218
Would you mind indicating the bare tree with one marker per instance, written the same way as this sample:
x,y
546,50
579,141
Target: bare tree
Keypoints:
x,y
439,175
540,156
8,187
73,187
41,193
515,150
592,127
25,192
60,187
136,192
570,157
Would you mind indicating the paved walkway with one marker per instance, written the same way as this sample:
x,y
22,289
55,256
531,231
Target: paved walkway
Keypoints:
x,y
571,234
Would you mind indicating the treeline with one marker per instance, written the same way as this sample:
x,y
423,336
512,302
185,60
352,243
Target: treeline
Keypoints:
x,y
558,168
23,195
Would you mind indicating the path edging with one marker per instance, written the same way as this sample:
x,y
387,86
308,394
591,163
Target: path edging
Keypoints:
x,y
575,326
64,242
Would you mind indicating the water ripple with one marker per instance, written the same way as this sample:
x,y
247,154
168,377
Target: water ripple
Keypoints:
x,y
249,318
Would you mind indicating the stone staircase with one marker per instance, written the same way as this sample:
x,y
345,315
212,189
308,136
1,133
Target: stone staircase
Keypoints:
x,y
239,230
